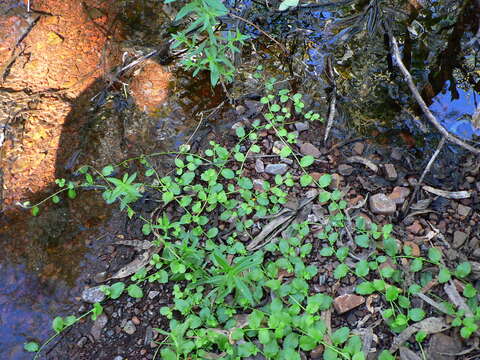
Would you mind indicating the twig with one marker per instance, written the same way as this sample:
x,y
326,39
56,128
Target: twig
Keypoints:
x,y
262,31
432,160
409,80
333,102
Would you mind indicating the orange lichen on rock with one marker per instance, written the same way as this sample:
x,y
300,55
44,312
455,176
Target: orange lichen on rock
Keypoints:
x,y
149,86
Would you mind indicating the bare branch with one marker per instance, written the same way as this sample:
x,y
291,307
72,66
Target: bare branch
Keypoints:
x,y
421,102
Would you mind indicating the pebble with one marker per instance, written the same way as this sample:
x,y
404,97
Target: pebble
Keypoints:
x,y
129,327
347,302
136,320
302,126
153,294
459,238
463,210
381,204
258,185
317,353
396,154
276,169
240,109
259,166
93,295
358,148
345,169
399,194
415,228
100,277
277,147
390,172
118,357
310,149
83,340
98,326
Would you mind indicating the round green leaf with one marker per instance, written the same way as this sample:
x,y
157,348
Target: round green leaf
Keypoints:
x,y
135,291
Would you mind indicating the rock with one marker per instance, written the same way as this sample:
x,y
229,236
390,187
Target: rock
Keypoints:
x,y
98,325
93,295
459,238
413,246
82,342
345,169
358,148
302,126
399,194
258,185
347,302
276,169
390,172
317,353
315,175
310,149
396,154
259,166
463,210
118,357
135,320
381,204
129,327
240,109
100,277
277,147
153,294
442,344
415,228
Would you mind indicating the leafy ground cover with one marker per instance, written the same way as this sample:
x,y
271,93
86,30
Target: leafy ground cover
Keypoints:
x,y
254,249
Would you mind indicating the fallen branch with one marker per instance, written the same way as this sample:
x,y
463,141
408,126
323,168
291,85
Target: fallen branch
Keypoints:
x,y
332,108
421,102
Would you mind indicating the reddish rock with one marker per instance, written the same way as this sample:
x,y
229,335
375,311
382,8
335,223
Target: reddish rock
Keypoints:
x,y
415,228
347,302
317,353
390,172
310,149
381,204
399,194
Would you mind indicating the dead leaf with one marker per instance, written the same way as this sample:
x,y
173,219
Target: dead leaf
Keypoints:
x,y
447,194
456,298
132,267
430,325
407,354
363,161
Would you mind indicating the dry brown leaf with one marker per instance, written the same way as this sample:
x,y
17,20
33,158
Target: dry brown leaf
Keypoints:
x,y
447,194
363,161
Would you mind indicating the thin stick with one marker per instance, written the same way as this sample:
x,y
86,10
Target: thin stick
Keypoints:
x,y
333,102
431,161
262,31
421,102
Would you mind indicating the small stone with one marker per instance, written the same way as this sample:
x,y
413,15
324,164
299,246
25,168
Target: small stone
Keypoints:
x,y
98,326
302,126
129,327
135,320
459,238
399,194
345,169
277,147
347,302
258,185
463,210
396,154
100,277
83,340
381,204
240,109
317,353
413,246
441,344
358,148
153,294
93,295
118,357
259,166
315,175
390,172
415,228
310,149
276,169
